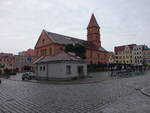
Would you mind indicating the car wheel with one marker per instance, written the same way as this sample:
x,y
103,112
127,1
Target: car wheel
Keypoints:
x,y
30,78
23,79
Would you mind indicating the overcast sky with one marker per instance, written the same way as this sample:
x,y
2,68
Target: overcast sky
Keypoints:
x,y
121,21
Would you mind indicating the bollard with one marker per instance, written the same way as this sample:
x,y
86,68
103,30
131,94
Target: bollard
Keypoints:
x,y
0,81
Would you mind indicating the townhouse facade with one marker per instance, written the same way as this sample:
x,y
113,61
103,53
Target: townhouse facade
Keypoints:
x,y
24,61
111,58
146,56
7,61
137,54
123,54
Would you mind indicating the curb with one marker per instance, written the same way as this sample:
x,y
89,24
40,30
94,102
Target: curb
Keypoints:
x,y
143,91
58,83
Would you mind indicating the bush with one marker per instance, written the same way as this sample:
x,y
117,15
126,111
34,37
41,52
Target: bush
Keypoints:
x,y
0,71
78,49
7,71
97,67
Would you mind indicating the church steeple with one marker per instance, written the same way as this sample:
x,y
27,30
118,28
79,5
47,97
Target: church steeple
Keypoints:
x,y
93,32
93,22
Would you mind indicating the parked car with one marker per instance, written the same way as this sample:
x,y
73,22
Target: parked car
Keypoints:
x,y
28,76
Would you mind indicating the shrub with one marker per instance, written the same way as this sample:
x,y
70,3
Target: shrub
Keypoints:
x,y
7,71
78,49
0,71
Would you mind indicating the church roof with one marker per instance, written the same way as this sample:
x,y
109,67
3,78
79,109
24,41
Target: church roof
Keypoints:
x,y
93,22
62,39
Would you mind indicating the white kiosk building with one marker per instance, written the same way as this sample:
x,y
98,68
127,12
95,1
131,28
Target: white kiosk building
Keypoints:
x,y
61,66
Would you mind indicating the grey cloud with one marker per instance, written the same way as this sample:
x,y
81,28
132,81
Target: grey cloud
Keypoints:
x,y
121,21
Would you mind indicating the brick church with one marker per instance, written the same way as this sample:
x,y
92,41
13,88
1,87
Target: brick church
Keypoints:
x,y
50,44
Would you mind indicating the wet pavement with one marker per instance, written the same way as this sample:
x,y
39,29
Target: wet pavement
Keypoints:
x,y
112,96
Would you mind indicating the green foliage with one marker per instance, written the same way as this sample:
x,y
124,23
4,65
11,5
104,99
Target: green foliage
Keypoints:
x,y
7,71
78,49
0,71
146,65
97,67
2,65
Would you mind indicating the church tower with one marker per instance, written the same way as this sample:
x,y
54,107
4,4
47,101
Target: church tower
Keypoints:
x,y
93,32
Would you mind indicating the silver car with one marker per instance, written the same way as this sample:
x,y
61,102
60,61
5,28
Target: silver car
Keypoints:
x,y
28,76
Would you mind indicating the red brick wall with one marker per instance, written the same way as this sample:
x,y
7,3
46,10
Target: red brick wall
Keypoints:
x,y
93,35
93,56
48,48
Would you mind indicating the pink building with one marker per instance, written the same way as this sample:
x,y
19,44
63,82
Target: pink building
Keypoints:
x,y
8,60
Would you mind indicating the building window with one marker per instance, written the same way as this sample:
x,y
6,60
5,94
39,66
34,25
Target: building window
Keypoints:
x,y
43,41
50,51
41,52
43,68
37,53
90,30
68,69
80,70
40,68
45,52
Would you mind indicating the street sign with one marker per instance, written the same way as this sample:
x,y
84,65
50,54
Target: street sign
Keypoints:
x,y
29,59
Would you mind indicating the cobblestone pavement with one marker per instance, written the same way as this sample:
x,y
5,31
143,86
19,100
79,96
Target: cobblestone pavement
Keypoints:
x,y
113,96
96,77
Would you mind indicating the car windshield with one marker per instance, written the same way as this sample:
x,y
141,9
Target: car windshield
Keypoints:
x,y
28,73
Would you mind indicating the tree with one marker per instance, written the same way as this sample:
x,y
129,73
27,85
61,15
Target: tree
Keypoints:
x,y
78,49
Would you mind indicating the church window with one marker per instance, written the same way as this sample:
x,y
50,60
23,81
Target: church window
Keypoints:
x,y
50,51
90,30
43,41
37,53
45,52
41,52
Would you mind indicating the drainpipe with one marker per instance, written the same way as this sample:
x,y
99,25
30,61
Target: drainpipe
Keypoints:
x,y
47,70
37,70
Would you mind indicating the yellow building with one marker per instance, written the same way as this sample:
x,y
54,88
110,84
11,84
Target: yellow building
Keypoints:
x,y
146,56
123,54
111,58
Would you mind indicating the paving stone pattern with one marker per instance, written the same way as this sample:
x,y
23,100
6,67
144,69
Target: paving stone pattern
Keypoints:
x,y
112,96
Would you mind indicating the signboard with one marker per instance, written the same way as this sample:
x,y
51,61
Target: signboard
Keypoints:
x,y
29,59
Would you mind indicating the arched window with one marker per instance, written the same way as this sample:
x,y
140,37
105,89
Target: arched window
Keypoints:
x,y
37,53
43,41
50,51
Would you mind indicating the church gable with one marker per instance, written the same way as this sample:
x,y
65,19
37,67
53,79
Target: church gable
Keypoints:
x,y
43,40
